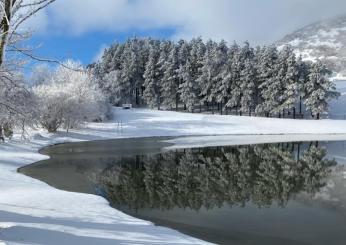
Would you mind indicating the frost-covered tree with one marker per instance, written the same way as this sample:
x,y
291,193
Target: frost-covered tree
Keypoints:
x,y
303,69
40,74
271,88
320,89
247,79
68,99
248,87
188,88
207,74
290,78
227,74
15,99
112,88
152,91
219,60
170,80
233,78
197,50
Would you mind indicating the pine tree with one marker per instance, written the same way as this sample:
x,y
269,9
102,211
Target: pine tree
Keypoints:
x,y
290,80
188,88
303,69
127,74
197,51
248,86
319,89
170,80
207,73
234,79
268,84
228,75
151,92
247,79
219,62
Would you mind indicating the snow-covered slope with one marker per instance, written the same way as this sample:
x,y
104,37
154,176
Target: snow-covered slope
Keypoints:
x,y
323,40
31,212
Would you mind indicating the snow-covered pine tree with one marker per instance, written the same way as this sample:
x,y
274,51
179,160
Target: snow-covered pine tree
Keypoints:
x,y
219,61
227,74
151,92
320,89
206,73
290,80
303,77
165,49
197,50
184,51
248,86
184,54
126,77
170,80
234,79
189,87
248,82
137,67
269,86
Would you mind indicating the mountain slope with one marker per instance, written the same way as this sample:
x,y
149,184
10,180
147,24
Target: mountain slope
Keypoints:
x,y
325,40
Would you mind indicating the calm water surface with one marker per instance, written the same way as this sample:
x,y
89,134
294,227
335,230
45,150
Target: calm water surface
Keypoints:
x,y
282,193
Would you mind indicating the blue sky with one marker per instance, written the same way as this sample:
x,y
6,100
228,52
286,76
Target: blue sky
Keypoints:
x,y
80,29
88,46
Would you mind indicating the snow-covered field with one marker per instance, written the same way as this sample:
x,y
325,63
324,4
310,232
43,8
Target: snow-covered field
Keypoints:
x,y
32,212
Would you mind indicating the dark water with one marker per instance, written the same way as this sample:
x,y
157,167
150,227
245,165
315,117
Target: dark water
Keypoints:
x,y
283,193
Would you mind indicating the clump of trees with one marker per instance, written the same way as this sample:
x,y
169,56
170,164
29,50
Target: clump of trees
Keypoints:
x,y
195,75
67,96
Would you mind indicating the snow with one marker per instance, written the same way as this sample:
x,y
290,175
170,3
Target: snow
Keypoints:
x,y
31,212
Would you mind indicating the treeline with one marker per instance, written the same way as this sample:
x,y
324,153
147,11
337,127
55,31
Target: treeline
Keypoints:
x,y
211,177
197,75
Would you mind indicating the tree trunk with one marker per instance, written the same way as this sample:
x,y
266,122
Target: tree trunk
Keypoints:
x,y
300,105
2,138
5,28
294,113
318,116
137,97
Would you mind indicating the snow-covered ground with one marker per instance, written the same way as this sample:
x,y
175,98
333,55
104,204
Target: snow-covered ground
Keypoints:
x,y
31,212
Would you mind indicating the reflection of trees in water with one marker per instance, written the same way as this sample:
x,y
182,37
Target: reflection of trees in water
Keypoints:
x,y
211,177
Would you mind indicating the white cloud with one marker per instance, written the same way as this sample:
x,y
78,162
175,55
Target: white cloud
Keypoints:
x,y
254,20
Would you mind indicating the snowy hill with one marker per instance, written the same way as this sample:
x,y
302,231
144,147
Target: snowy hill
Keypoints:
x,y
324,40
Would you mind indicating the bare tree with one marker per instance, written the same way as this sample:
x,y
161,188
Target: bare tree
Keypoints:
x,y
14,97
13,14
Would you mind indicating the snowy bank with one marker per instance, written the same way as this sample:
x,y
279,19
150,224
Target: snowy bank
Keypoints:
x,y
31,212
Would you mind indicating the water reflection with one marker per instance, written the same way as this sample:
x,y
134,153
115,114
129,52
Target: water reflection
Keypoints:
x,y
212,177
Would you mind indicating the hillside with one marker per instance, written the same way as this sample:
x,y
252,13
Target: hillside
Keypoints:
x,y
324,40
